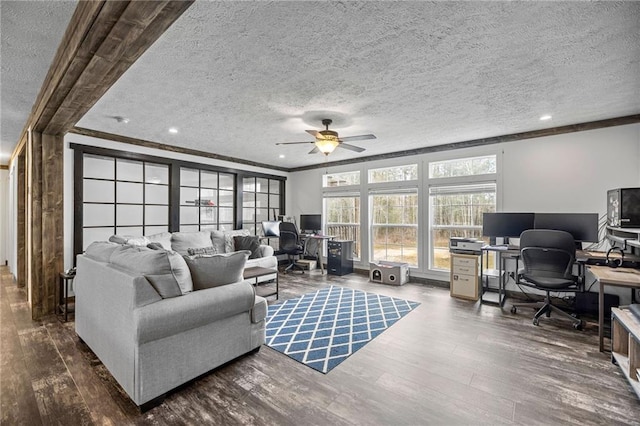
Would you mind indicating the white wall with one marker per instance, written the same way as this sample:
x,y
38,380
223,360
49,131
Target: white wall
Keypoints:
x,y
566,173
85,140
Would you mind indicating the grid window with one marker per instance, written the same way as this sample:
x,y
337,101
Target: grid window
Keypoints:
x,y
394,226
206,199
261,201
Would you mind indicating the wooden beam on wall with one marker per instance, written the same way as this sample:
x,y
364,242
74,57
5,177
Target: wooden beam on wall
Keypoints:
x,y
34,225
21,226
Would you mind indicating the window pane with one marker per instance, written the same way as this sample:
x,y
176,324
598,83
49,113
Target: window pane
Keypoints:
x,y
262,185
156,173
226,181
249,184
248,215
394,227
463,167
226,215
156,215
150,230
208,215
188,215
128,170
189,177
189,196
274,201
129,193
341,179
98,191
98,215
394,174
342,220
208,197
128,215
135,231
189,228
262,215
262,200
156,194
95,166
274,186
208,179
90,235
248,199
225,198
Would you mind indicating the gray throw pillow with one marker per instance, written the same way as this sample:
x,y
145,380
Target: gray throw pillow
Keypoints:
x,y
215,270
155,246
229,245
101,250
203,250
165,285
249,242
182,241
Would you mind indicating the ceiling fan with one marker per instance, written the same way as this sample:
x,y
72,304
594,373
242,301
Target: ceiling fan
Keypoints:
x,y
328,140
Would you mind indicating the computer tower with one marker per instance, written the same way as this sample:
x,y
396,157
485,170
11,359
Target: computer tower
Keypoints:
x,y
339,257
623,207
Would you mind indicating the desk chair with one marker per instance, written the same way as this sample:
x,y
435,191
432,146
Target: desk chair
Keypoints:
x,y
548,258
290,245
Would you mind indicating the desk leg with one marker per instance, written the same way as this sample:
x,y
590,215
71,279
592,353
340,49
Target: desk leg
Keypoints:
x,y
319,253
601,316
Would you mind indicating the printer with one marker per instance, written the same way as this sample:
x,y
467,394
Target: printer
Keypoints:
x,y
465,245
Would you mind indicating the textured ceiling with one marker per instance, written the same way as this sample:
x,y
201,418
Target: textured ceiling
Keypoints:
x,y
31,32
237,77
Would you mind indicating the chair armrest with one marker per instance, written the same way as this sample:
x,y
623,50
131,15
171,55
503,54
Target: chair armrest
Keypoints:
x,y
265,250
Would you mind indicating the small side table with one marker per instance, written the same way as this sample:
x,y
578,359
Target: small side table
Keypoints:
x,y
62,310
257,272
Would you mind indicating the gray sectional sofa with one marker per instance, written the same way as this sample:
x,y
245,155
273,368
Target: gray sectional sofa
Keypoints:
x,y
157,319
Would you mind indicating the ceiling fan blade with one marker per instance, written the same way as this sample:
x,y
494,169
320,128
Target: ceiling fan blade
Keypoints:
x,y
313,133
292,143
350,147
314,150
358,138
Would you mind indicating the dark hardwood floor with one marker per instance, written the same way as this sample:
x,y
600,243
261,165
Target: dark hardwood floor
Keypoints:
x,y
448,362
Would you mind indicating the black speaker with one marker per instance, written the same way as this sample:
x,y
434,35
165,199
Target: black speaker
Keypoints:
x,y
623,207
339,257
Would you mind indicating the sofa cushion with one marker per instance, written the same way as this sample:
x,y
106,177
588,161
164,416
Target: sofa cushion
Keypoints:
x,y
215,270
138,241
155,262
183,241
101,250
164,238
218,240
205,250
248,242
229,245
165,285
155,246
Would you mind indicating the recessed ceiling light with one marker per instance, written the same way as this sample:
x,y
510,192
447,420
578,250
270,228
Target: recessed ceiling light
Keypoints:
x,y
120,119
173,130
281,156
545,117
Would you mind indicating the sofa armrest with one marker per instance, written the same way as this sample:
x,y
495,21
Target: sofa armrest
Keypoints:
x,y
265,250
192,310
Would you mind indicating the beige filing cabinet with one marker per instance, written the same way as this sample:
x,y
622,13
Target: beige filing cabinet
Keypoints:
x,y
464,276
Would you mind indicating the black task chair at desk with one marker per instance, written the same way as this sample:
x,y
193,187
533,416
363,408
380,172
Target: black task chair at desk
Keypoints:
x,y
548,257
290,245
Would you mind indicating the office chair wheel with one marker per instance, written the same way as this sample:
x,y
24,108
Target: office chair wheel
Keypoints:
x,y
578,326
536,322
514,309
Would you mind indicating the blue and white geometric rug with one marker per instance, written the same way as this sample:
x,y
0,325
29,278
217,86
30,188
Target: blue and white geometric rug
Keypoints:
x,y
323,328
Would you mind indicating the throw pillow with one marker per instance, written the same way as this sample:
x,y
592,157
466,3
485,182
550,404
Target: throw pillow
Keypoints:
x,y
203,250
155,246
215,270
163,238
138,241
229,245
165,285
248,242
218,240
182,241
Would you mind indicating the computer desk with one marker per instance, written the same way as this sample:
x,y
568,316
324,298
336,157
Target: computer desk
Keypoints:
x,y
319,246
618,277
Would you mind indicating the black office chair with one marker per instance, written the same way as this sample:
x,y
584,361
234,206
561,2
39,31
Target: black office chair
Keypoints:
x,y
548,258
290,245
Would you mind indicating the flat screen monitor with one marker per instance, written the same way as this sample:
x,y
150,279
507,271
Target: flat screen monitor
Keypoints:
x,y
506,224
583,226
310,223
271,228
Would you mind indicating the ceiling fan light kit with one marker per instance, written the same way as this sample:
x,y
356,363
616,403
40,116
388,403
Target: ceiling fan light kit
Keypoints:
x,y
328,140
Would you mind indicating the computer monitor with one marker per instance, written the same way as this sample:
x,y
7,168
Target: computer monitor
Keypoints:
x,y
506,225
310,223
583,226
271,228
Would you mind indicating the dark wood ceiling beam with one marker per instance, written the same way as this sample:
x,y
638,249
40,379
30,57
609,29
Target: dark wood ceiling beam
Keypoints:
x,y
136,28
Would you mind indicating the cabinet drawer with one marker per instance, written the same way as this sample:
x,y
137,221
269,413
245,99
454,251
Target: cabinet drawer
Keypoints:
x,y
465,270
471,262
464,286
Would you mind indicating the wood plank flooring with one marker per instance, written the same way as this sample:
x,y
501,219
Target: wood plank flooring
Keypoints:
x,y
447,362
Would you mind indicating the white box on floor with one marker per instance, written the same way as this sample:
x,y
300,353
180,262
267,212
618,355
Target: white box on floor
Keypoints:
x,y
308,264
394,273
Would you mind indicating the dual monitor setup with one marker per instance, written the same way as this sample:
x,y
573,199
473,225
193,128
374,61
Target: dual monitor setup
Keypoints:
x,y
309,224
583,226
